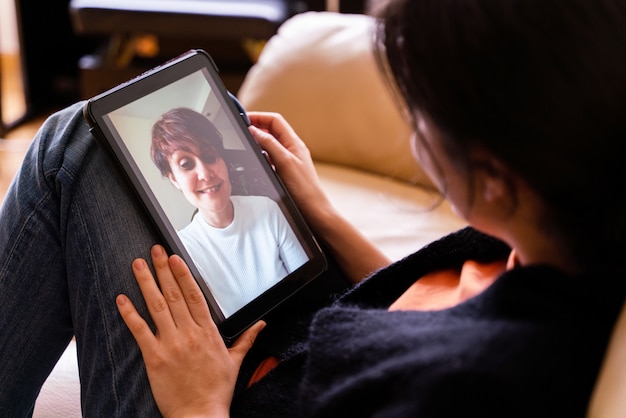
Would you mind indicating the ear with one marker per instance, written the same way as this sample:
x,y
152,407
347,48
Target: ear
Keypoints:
x,y
493,188
173,180
495,184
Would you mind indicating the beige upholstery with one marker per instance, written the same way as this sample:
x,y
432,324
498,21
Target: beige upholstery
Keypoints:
x,y
609,397
397,217
319,72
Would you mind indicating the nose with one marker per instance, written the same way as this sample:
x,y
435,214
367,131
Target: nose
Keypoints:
x,y
204,172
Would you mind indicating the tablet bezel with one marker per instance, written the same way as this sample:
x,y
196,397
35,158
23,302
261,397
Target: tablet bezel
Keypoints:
x,y
97,108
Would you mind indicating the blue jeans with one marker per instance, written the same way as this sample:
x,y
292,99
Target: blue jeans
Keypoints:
x,y
68,233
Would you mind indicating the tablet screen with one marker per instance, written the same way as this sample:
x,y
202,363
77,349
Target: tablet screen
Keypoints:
x,y
183,144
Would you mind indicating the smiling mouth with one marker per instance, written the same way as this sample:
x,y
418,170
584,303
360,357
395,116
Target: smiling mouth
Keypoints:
x,y
211,189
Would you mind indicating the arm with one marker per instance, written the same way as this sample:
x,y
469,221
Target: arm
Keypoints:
x,y
357,256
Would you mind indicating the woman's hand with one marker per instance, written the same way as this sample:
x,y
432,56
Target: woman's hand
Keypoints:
x,y
293,163
356,255
191,371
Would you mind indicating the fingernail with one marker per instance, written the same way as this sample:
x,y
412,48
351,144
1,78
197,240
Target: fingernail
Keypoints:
x,y
176,260
138,264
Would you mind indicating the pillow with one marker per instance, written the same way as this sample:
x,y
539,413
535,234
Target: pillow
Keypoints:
x,y
320,73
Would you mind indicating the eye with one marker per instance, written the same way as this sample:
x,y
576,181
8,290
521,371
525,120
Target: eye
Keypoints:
x,y
209,158
186,163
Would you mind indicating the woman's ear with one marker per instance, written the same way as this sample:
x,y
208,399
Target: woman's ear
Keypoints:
x,y
494,185
173,180
493,188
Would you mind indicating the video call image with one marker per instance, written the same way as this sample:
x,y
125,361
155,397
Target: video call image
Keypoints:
x,y
212,188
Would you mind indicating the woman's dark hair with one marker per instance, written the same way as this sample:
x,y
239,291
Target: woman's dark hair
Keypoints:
x,y
541,84
183,129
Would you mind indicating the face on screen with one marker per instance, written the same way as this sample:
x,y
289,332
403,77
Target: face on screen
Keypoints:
x,y
204,181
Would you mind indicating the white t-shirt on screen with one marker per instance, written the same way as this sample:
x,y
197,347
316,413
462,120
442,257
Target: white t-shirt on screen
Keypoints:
x,y
242,260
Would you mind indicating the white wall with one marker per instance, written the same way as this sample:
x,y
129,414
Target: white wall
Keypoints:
x,y
8,29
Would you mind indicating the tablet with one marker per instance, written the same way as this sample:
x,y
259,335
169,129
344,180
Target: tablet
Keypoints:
x,y
182,142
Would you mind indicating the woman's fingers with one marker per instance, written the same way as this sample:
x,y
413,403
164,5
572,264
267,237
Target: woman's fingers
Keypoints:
x,y
275,124
277,151
135,323
157,304
176,301
244,343
194,299
286,150
170,293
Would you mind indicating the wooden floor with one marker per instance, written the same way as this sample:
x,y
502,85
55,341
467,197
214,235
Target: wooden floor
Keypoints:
x,y
15,142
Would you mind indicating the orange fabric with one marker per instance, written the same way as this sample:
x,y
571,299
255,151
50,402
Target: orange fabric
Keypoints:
x,y
436,290
263,369
447,288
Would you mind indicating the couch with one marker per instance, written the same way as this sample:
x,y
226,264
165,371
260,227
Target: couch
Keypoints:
x,y
319,72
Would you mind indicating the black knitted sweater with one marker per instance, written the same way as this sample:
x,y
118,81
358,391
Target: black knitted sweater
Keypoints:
x,y
529,346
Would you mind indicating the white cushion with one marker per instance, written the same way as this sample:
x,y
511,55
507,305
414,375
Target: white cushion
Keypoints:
x,y
60,394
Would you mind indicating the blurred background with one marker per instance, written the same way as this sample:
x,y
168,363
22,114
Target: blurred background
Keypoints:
x,y
55,52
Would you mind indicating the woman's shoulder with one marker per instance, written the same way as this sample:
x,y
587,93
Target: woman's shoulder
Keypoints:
x,y
386,285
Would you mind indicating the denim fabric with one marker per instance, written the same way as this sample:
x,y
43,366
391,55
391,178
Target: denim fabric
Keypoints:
x,y
68,233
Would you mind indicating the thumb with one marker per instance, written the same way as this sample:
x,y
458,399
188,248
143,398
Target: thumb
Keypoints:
x,y
260,135
266,140
244,343
273,149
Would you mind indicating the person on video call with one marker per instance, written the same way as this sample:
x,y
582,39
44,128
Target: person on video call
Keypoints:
x,y
242,245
